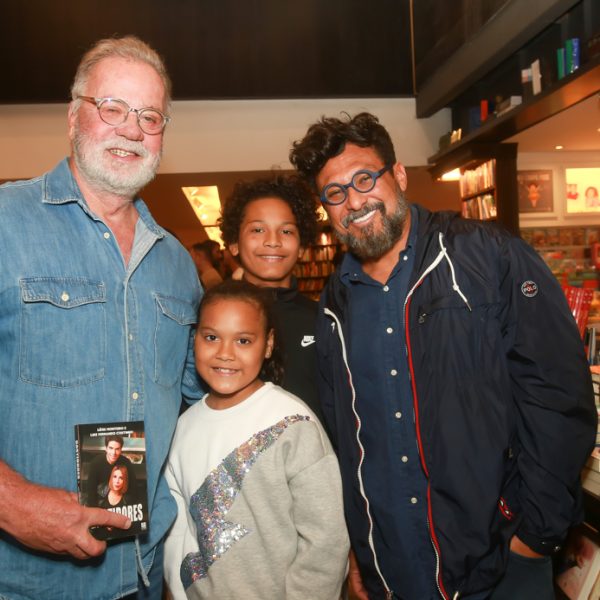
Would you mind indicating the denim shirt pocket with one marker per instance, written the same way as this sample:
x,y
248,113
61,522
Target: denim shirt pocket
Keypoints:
x,y
63,331
173,320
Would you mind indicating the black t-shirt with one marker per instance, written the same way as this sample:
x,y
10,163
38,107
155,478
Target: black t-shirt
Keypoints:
x,y
296,316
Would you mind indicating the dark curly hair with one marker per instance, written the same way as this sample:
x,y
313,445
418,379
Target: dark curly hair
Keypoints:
x,y
328,138
290,188
232,289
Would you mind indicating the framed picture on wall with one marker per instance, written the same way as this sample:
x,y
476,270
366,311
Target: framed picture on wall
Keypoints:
x,y
535,191
583,185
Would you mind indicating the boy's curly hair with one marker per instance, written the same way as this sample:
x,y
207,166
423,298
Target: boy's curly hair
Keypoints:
x,y
290,188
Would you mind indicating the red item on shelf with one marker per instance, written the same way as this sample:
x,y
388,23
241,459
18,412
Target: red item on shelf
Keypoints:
x,y
579,300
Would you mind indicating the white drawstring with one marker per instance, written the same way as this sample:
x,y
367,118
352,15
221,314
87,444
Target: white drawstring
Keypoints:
x,y
442,254
455,285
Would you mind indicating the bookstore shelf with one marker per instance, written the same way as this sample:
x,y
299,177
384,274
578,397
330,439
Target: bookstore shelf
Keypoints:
x,y
316,265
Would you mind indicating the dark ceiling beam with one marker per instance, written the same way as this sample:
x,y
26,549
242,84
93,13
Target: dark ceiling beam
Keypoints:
x,y
514,25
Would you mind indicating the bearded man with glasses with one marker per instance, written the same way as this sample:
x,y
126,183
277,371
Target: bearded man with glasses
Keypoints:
x,y
453,381
97,304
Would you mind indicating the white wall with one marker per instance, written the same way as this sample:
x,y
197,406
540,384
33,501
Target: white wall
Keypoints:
x,y
558,162
207,136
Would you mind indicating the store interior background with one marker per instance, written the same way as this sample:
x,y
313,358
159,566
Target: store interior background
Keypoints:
x,y
250,77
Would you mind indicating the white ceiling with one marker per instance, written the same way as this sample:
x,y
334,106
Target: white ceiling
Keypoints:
x,y
576,129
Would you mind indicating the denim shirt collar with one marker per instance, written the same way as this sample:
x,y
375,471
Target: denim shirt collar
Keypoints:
x,y
60,187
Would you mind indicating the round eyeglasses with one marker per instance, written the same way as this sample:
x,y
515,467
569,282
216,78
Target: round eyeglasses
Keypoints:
x,y
362,181
115,112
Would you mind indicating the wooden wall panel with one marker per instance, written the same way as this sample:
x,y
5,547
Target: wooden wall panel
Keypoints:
x,y
216,48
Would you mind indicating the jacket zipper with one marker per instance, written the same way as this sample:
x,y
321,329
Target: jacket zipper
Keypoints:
x,y
432,536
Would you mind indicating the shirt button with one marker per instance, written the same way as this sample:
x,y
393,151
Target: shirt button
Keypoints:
x,y
405,459
64,296
135,395
390,330
413,500
106,235
393,372
130,337
405,257
398,415
386,288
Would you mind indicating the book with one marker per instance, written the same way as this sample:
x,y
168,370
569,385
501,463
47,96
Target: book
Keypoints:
x,y
580,568
111,473
561,62
536,77
508,104
590,481
571,55
593,461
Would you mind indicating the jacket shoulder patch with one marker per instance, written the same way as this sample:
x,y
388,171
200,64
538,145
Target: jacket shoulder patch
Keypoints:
x,y
529,288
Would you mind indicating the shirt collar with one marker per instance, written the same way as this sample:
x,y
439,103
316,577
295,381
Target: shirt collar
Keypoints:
x,y
60,187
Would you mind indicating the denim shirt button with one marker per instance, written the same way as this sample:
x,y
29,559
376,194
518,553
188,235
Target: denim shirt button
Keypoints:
x,y
106,235
135,395
64,297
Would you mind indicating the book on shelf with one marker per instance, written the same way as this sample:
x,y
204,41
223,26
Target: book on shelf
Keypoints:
x,y
561,62
571,55
593,462
508,104
473,181
111,473
579,570
536,77
590,480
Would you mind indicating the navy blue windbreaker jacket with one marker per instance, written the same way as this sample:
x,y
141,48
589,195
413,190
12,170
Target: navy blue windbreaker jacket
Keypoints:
x,y
503,402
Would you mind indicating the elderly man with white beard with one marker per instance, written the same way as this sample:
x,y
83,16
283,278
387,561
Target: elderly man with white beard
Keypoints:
x,y
97,303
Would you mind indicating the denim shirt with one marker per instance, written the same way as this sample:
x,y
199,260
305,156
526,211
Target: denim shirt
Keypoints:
x,y
85,338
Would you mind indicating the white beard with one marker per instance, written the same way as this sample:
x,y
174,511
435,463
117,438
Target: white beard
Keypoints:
x,y
102,173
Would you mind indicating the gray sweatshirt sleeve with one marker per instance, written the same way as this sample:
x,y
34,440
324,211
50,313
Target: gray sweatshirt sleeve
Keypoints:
x,y
319,567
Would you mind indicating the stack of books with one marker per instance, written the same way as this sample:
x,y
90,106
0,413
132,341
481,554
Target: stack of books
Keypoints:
x,y
578,571
590,476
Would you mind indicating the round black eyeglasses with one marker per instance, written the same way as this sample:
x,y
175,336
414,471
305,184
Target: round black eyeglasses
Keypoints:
x,y
362,181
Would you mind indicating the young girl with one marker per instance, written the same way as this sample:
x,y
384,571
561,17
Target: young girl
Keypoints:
x,y
255,479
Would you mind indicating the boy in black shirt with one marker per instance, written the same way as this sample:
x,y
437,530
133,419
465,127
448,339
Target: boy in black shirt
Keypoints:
x,y
267,224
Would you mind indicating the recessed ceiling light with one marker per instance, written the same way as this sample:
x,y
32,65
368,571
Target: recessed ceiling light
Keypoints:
x,y
558,147
206,204
453,175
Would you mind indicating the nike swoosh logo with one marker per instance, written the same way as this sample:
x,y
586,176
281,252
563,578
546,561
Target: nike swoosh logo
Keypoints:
x,y
307,340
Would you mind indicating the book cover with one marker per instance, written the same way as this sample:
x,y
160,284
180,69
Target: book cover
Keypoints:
x,y
561,62
593,461
536,77
580,567
571,55
111,473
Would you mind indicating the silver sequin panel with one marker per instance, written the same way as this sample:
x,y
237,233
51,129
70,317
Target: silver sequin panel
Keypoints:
x,y
210,504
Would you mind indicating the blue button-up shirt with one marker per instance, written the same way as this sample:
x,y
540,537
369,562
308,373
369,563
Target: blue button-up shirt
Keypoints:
x,y
394,480
85,338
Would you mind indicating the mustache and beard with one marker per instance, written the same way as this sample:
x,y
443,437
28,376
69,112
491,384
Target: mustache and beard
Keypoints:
x,y
371,245
94,162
